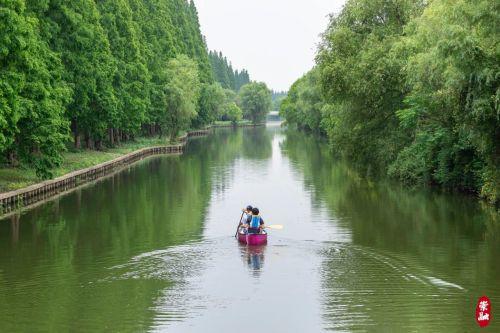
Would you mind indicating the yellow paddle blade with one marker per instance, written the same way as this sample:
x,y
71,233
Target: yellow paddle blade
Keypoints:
x,y
275,226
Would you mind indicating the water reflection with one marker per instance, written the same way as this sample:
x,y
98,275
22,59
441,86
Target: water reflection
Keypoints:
x,y
257,144
14,223
254,257
412,251
151,248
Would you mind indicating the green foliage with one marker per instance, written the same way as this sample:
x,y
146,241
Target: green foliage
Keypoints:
x,y
210,104
304,104
229,110
255,101
74,31
277,98
224,74
131,75
362,78
181,94
95,68
32,96
410,88
167,29
452,107
232,112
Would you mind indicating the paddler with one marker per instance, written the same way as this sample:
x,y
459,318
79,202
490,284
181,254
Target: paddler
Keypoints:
x,y
256,223
246,217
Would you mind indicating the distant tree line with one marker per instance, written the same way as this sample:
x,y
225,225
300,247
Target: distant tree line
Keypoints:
x,y
277,98
410,89
252,102
224,73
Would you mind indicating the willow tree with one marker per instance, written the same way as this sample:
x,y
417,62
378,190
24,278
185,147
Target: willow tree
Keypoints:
x,y
452,110
210,103
255,101
304,103
232,112
181,95
363,80
411,88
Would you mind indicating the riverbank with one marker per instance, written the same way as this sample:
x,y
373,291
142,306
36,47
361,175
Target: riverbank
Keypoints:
x,y
83,166
76,159
73,160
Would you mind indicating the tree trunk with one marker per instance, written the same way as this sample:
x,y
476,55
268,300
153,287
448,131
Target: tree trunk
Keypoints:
x,y
88,142
78,143
173,134
12,158
15,228
98,144
117,136
76,135
111,137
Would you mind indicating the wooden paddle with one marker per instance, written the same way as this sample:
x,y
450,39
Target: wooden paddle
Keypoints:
x,y
239,223
274,226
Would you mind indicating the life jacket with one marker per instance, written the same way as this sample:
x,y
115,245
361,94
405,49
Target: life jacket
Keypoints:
x,y
255,222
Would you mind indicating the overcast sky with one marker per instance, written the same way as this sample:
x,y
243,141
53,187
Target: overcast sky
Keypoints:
x,y
275,40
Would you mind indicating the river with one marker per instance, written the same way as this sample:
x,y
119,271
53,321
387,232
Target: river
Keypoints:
x,y
151,248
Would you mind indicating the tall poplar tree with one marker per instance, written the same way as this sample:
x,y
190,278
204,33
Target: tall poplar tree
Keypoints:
x,y
77,35
32,95
131,78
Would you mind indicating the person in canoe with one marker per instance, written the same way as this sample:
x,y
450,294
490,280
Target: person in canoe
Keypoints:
x,y
256,223
246,217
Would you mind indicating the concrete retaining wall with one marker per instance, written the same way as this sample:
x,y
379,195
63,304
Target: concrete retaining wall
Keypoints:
x,y
15,200
18,199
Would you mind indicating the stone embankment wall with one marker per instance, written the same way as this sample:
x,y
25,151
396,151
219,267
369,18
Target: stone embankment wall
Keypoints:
x,y
18,199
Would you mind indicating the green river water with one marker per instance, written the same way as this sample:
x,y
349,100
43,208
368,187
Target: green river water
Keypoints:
x,y
151,248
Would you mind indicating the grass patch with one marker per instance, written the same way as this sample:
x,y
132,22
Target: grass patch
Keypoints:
x,y
14,178
227,122
74,159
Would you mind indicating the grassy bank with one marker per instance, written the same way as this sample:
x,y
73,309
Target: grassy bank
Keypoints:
x,y
73,159
228,123
77,159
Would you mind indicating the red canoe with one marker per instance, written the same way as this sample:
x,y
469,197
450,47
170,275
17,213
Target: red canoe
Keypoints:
x,y
252,239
